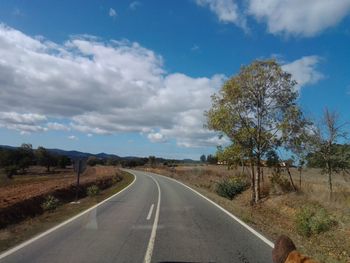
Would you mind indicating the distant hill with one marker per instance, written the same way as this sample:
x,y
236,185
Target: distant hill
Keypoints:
x,y
77,154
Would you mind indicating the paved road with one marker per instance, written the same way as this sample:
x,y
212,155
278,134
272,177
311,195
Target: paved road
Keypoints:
x,y
154,220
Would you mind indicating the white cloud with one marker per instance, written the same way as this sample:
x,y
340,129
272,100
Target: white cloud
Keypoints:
x,y
227,11
135,4
288,17
304,70
100,88
89,135
25,123
55,126
107,88
73,137
112,12
299,17
156,137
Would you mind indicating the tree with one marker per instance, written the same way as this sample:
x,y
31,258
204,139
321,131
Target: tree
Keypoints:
x,y
152,161
25,156
203,158
93,161
63,161
8,161
324,140
232,156
253,109
212,159
45,158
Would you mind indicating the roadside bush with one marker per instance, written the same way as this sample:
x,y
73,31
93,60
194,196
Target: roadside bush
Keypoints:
x,y
231,187
116,179
10,171
279,183
313,220
92,190
50,203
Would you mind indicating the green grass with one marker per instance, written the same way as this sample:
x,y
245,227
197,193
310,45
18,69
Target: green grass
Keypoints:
x,y
15,234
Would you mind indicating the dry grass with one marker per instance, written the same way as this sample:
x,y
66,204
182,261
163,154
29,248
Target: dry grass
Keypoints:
x,y
275,215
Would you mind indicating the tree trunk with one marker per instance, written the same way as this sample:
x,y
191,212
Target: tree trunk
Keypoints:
x,y
300,170
48,168
262,175
257,181
290,178
252,181
329,168
330,182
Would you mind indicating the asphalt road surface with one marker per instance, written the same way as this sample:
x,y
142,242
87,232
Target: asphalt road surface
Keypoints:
x,y
155,219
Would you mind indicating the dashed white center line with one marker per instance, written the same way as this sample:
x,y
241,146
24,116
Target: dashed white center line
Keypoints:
x,y
150,246
150,212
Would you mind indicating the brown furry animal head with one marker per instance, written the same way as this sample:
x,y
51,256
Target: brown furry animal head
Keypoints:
x,y
285,252
283,246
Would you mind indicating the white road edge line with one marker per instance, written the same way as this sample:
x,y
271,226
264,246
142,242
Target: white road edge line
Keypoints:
x,y
253,231
150,246
150,212
26,243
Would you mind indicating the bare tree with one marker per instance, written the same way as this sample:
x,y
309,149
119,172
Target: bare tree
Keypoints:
x,y
325,138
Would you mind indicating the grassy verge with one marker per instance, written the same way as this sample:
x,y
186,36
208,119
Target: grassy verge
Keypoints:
x,y
17,233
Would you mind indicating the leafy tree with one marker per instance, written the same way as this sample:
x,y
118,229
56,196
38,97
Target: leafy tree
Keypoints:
x,y
8,161
63,161
25,156
152,161
212,159
253,109
232,155
93,161
45,158
203,158
272,159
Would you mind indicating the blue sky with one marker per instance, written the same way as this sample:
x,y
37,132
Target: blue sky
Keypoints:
x,y
134,77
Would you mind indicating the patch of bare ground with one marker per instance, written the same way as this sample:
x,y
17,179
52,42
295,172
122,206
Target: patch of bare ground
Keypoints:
x,y
275,214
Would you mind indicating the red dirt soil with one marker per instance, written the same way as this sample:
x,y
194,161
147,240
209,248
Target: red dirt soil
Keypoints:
x,y
18,192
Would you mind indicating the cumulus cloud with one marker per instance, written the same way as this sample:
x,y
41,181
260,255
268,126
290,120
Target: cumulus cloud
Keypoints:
x,y
290,17
304,70
156,137
73,137
25,123
112,12
55,126
99,88
227,11
106,88
299,17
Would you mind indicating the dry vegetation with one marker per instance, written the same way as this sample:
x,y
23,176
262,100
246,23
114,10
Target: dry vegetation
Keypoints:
x,y
275,214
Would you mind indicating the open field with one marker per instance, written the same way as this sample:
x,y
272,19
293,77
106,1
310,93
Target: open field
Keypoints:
x,y
22,196
16,233
276,213
37,183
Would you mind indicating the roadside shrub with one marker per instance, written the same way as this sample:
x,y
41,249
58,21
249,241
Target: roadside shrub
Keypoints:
x,y
279,183
92,190
231,187
116,179
313,220
50,203
10,171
